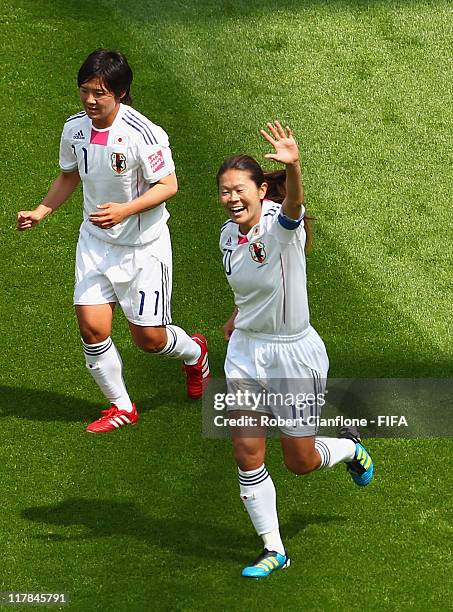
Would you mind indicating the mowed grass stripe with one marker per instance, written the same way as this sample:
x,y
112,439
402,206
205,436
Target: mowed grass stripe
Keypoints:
x,y
384,272
188,553
109,518
366,121
80,575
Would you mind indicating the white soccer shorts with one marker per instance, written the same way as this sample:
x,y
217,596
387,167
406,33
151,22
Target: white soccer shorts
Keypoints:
x,y
280,376
138,278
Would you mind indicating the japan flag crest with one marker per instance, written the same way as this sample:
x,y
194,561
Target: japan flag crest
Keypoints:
x,y
257,251
118,162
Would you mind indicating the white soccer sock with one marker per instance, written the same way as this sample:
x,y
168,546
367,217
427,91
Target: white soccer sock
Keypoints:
x,y
260,501
273,541
334,450
105,365
180,346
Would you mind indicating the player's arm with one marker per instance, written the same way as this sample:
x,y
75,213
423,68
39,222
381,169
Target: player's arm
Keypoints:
x,y
159,192
60,191
228,328
287,152
112,213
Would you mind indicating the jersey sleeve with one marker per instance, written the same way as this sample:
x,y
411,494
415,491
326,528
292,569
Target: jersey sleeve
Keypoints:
x,y
225,238
156,160
287,230
68,159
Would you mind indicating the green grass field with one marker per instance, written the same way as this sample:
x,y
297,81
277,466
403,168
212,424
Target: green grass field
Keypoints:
x,y
149,518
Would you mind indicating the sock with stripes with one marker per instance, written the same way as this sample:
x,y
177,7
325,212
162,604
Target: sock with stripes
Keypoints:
x,y
180,346
260,501
105,366
334,450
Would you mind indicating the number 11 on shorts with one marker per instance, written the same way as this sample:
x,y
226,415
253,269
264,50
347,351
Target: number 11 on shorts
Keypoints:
x,y
142,302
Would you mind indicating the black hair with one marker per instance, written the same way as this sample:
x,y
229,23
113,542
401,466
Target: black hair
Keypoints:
x,y
244,163
112,69
276,180
276,183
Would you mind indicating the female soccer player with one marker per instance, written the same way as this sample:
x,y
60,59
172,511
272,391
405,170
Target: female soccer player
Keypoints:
x,y
124,251
272,347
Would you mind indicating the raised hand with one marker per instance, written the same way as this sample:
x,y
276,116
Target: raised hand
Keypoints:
x,y
284,143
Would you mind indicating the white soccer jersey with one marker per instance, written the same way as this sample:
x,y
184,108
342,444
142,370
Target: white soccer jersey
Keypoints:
x,y
118,164
267,273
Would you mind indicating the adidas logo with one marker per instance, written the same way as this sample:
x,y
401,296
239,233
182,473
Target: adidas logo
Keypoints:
x,y
78,136
228,243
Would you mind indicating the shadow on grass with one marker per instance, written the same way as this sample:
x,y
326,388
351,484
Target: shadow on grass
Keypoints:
x,y
299,522
39,405
179,535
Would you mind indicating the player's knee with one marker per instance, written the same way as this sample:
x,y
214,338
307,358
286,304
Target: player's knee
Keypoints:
x,y
92,335
247,458
150,343
301,465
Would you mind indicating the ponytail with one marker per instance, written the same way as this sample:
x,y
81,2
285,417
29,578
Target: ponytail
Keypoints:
x,y
276,181
276,191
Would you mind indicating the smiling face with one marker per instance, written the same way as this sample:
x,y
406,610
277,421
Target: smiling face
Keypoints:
x,y
100,104
241,198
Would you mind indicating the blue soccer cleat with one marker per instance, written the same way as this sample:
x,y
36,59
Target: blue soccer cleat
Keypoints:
x,y
269,561
361,468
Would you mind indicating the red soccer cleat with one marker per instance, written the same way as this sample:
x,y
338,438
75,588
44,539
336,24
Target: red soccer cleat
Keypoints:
x,y
112,418
197,375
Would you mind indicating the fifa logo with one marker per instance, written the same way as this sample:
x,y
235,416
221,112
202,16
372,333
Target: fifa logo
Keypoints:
x,y
118,162
257,251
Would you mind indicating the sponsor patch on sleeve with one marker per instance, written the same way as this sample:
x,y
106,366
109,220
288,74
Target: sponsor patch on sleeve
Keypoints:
x,y
156,160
